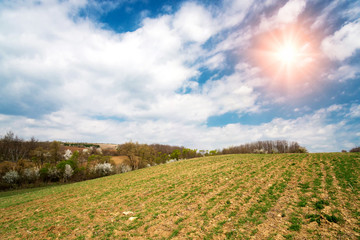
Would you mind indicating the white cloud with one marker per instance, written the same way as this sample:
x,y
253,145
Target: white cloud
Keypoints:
x,y
354,111
78,73
102,72
216,61
133,75
290,11
343,43
343,73
312,131
231,93
334,108
323,18
234,12
287,14
194,23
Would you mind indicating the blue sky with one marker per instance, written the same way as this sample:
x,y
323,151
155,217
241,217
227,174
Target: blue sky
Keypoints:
x,y
200,74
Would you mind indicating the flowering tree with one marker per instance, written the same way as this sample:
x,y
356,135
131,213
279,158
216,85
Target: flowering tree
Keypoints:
x,y
11,177
103,169
67,154
31,174
68,172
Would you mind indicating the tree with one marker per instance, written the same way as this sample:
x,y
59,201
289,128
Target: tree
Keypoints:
x,y
39,156
278,146
68,172
12,148
129,149
214,152
355,149
175,154
55,152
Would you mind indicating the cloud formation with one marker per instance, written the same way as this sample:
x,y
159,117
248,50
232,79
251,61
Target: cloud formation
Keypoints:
x,y
68,76
344,42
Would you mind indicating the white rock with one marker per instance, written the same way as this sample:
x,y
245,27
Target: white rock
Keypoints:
x,y
132,218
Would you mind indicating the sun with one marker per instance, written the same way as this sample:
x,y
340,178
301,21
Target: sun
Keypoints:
x,y
285,55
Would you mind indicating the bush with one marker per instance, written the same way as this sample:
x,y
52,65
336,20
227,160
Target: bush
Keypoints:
x,y
103,169
301,150
68,172
67,154
31,174
125,168
61,165
356,149
81,174
23,164
6,167
11,177
53,174
44,173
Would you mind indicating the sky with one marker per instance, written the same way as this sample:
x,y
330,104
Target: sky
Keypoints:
x,y
200,74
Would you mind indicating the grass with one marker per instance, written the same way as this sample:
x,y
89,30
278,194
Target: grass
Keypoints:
x,y
221,197
321,204
296,223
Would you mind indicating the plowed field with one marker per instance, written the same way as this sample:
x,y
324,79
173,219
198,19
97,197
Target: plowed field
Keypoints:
x,y
288,196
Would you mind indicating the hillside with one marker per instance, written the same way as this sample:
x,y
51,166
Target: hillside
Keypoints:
x,y
287,196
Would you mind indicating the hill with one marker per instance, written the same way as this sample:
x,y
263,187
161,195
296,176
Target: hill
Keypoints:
x,y
280,196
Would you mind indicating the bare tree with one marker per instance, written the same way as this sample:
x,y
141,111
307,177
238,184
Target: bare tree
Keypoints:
x,y
13,148
278,146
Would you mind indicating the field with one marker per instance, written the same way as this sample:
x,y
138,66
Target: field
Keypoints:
x,y
119,159
289,196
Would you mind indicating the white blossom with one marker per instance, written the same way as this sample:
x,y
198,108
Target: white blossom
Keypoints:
x,y
11,177
103,169
125,168
31,173
53,172
67,154
68,171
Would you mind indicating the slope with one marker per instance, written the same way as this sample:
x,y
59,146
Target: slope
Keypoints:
x,y
289,196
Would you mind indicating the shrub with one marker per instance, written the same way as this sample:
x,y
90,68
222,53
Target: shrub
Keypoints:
x,y
23,164
31,174
68,172
125,168
61,165
81,174
44,173
301,150
6,167
171,161
67,154
11,177
103,169
356,149
53,174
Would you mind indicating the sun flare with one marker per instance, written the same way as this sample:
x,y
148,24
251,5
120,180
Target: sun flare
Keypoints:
x,y
286,54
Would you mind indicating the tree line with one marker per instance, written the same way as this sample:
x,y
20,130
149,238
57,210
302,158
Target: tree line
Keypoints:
x,y
276,146
355,149
32,161
143,155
